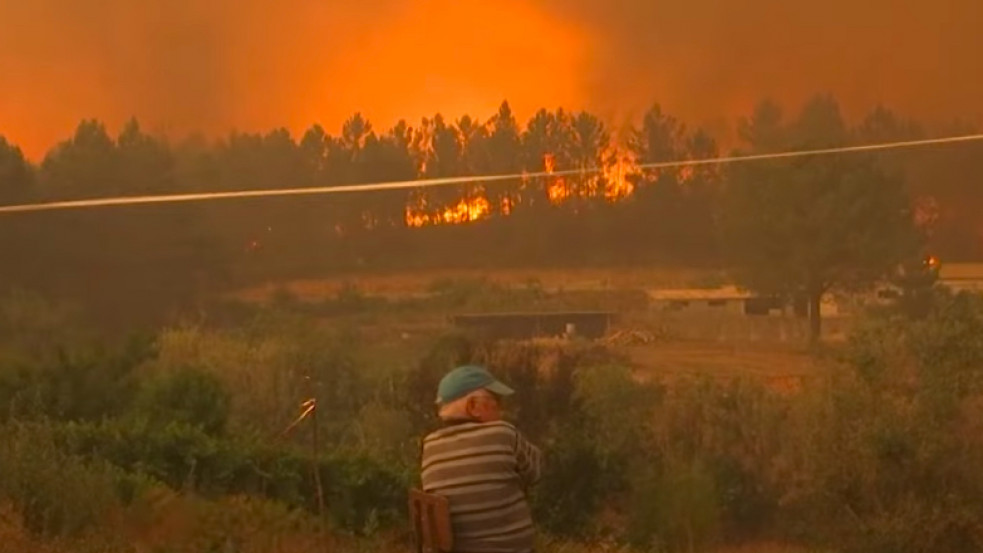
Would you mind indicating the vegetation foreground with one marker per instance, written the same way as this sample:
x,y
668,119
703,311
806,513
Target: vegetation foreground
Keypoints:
x,y
175,442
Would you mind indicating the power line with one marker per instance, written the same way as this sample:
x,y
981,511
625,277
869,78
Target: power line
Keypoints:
x,y
429,183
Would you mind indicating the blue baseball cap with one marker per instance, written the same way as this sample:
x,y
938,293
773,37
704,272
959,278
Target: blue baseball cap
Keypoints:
x,y
466,379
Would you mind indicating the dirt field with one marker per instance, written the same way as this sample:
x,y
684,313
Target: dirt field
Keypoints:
x,y
783,368
783,363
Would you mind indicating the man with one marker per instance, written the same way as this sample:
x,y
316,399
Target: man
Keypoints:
x,y
482,464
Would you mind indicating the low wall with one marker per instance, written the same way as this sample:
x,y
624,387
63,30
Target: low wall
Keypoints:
x,y
731,327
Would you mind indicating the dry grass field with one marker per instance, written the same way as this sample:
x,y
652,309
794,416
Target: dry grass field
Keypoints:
x,y
723,352
408,284
781,367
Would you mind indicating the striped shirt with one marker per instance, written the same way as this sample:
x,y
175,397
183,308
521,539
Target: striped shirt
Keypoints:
x,y
484,470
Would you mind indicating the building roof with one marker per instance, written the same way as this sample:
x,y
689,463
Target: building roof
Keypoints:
x,y
698,294
521,314
961,271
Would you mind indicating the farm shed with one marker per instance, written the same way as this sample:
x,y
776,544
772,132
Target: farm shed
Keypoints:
x,y
726,299
730,300
523,326
962,276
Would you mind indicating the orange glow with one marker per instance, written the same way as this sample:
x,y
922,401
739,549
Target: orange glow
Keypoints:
x,y
549,163
196,65
218,65
616,175
557,190
464,211
686,173
507,205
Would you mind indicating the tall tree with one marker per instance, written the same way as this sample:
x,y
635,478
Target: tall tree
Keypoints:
x,y
389,158
673,206
764,130
947,179
444,157
345,164
146,163
85,165
589,153
661,138
546,146
475,160
504,149
804,227
313,148
473,137
16,175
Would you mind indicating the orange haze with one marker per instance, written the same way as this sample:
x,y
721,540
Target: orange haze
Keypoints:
x,y
216,65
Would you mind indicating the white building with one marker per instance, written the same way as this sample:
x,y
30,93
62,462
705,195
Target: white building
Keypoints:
x,y
728,300
962,276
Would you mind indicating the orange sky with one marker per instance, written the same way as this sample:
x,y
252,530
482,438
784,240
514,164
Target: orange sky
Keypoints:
x,y
215,65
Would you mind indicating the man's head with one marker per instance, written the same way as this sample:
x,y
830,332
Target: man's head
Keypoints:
x,y
471,392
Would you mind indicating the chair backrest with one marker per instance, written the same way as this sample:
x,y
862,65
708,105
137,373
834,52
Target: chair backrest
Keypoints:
x,y
431,519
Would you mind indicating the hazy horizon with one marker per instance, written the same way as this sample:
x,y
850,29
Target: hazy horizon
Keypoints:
x,y
218,65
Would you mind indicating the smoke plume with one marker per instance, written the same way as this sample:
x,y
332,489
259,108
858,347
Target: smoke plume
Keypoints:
x,y
217,65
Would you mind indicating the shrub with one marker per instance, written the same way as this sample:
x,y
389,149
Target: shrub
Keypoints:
x,y
889,462
55,492
187,396
572,490
270,367
75,383
359,491
676,508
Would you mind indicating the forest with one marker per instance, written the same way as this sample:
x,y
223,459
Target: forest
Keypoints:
x,y
141,261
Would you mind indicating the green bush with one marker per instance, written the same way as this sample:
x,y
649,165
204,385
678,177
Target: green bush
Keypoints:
x,y
73,383
359,491
573,488
618,413
272,365
186,396
675,507
890,460
55,492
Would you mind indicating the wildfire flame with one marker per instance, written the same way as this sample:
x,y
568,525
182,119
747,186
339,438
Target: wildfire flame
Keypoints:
x,y
686,173
549,163
466,210
614,176
557,190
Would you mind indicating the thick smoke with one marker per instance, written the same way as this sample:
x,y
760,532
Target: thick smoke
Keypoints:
x,y
216,65
710,58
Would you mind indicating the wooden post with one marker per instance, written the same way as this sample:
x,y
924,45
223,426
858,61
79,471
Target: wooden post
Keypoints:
x,y
315,447
317,464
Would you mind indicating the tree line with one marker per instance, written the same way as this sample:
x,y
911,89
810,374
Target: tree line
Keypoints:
x,y
604,211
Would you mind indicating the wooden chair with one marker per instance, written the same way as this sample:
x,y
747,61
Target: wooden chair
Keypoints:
x,y
431,519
